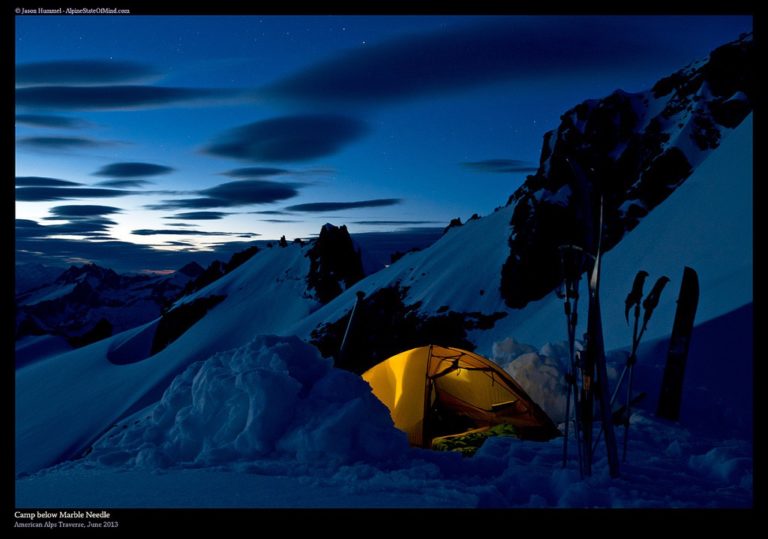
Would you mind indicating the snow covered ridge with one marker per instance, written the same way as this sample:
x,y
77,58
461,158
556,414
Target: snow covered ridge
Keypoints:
x,y
88,303
334,263
637,147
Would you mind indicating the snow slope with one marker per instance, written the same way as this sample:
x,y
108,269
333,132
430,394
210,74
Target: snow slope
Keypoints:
x,y
234,487
706,224
32,348
668,469
457,270
84,392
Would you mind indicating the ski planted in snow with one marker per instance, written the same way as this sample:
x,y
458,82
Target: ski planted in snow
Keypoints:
x,y
588,196
595,376
672,382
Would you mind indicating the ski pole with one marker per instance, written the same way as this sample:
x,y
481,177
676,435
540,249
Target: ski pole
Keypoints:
x,y
649,304
571,316
567,308
571,265
633,299
630,365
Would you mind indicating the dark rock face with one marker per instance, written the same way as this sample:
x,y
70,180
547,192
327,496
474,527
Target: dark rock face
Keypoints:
x,y
213,272
218,269
635,150
455,222
333,261
176,322
101,330
384,326
397,255
193,269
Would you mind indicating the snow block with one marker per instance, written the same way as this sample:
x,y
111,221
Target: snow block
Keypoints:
x,y
275,396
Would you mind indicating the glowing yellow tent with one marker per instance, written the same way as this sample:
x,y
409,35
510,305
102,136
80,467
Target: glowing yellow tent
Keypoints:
x,y
434,391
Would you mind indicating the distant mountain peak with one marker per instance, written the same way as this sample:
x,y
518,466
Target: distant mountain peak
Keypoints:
x,y
88,302
78,273
193,269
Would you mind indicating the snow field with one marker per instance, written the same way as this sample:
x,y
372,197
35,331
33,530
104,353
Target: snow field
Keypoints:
x,y
273,415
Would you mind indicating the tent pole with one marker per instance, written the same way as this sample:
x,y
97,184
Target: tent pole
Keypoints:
x,y
428,383
343,348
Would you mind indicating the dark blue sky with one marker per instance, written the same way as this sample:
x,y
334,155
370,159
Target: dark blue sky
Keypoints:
x,y
139,133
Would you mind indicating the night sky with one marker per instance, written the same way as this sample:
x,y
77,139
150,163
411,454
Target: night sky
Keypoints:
x,y
142,138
